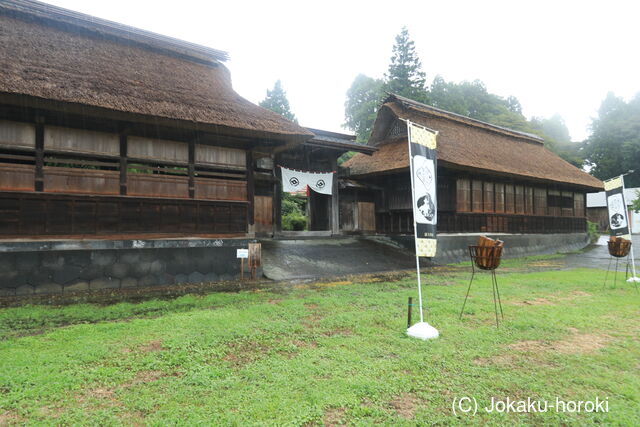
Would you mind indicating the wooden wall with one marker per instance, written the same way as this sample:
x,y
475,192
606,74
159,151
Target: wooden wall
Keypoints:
x,y
62,215
82,181
264,214
17,134
220,156
81,141
47,160
472,203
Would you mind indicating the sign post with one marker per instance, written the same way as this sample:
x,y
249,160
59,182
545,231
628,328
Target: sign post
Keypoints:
x,y
619,222
242,254
422,166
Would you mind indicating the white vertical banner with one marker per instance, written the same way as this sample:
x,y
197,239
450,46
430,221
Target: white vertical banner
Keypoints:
x,y
617,208
618,213
423,158
423,168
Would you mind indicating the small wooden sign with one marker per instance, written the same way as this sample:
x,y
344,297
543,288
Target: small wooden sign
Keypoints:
x,y
242,253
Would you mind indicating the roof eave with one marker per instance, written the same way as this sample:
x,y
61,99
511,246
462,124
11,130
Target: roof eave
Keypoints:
x,y
118,115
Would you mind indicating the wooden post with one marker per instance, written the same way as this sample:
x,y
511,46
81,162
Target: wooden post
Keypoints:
x,y
335,202
255,258
277,197
123,164
546,210
250,188
39,173
356,211
584,204
192,169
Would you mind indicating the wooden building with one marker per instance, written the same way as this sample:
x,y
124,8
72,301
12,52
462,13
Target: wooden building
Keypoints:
x,y
107,130
318,154
489,179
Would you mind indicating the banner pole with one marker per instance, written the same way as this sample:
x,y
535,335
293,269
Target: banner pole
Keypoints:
x,y
624,199
415,228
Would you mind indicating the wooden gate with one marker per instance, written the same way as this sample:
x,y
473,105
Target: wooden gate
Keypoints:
x,y
366,216
263,211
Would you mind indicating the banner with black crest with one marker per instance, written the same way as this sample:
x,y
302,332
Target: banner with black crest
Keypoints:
x,y
294,181
423,155
617,208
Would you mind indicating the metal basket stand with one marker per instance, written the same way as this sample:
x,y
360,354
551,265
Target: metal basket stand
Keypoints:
x,y
616,253
486,258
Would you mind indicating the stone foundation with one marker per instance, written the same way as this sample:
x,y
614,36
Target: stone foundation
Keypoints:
x,y
28,268
454,247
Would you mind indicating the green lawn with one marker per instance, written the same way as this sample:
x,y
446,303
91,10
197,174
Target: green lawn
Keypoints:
x,y
329,353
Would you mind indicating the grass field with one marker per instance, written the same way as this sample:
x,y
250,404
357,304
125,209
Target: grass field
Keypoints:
x,y
329,354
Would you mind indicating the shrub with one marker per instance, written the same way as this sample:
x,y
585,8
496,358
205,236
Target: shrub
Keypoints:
x,y
592,230
294,222
293,217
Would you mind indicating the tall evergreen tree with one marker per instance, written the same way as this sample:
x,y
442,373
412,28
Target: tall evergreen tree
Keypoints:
x,y
614,144
405,76
363,98
276,101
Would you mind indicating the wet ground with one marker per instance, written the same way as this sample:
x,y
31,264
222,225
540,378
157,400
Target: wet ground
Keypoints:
x,y
597,256
306,259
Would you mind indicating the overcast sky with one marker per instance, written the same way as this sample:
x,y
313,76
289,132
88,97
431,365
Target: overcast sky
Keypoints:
x,y
554,56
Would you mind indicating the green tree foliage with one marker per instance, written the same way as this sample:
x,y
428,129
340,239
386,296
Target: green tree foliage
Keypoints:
x,y
363,98
635,204
554,128
614,145
276,101
293,208
472,99
405,76
557,138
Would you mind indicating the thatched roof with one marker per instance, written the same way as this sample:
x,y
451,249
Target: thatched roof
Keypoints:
x,y
463,143
58,55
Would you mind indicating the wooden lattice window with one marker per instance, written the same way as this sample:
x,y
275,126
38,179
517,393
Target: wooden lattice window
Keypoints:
x,y
566,200
463,195
509,198
519,192
528,200
499,188
554,203
476,195
398,129
540,201
578,204
488,197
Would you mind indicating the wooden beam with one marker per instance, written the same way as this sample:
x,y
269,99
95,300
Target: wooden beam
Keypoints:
x,y
250,188
39,173
277,197
192,169
123,164
335,203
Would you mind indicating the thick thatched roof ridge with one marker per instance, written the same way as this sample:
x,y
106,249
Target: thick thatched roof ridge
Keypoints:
x,y
71,65
59,16
400,104
467,146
